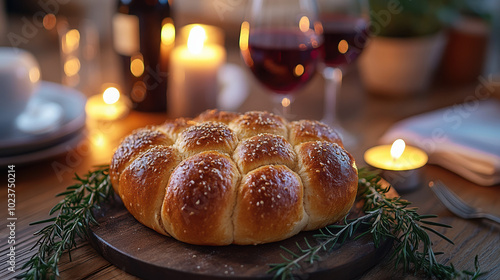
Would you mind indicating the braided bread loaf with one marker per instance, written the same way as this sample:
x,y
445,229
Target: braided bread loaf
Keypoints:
x,y
225,178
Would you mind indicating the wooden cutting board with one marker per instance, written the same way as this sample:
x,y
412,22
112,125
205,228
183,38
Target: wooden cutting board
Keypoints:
x,y
142,252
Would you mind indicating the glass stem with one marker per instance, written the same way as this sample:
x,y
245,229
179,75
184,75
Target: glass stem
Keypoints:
x,y
333,83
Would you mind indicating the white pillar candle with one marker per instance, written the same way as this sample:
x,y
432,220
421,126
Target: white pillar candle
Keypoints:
x,y
195,61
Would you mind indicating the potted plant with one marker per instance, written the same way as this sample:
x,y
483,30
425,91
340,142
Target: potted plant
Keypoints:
x,y
405,47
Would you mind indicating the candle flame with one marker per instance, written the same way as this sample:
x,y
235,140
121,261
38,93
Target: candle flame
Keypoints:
x,y
196,39
397,148
111,95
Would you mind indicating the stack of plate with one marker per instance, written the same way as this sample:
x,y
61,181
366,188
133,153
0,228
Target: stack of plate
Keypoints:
x,y
18,147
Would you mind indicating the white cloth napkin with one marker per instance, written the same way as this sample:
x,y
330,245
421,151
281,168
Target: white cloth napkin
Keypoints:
x,y
464,138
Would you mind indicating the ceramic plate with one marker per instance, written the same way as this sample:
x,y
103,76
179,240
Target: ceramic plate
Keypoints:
x,y
16,143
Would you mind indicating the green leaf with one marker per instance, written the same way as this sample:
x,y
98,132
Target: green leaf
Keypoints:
x,y
439,234
436,224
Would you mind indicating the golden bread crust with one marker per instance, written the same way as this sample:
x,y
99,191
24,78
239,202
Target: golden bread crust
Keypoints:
x,y
330,179
215,115
200,198
255,122
143,183
309,130
208,136
227,178
270,206
131,147
264,149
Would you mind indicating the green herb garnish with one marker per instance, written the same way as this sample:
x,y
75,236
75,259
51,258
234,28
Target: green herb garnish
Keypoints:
x,y
74,218
383,218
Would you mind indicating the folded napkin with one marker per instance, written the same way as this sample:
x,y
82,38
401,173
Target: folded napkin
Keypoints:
x,y
463,138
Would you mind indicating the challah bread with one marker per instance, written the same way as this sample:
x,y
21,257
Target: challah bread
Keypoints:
x,y
143,189
200,199
254,123
224,178
307,130
270,206
329,182
131,147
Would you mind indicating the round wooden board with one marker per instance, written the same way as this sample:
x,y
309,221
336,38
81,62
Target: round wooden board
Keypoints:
x,y
142,252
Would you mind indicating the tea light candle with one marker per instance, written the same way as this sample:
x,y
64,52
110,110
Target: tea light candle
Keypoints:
x,y
108,106
400,164
195,62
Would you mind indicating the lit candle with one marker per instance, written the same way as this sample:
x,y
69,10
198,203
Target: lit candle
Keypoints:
x,y
195,61
400,164
108,106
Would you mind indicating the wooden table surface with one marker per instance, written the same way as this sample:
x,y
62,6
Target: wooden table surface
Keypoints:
x,y
365,115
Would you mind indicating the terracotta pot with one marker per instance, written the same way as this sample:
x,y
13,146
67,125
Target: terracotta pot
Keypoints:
x,y
400,66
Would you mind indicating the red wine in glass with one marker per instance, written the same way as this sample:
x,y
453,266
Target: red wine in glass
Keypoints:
x,y
344,39
282,60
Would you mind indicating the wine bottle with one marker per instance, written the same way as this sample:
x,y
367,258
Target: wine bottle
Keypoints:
x,y
143,36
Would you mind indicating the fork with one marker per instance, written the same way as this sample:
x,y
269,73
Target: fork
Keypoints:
x,y
456,205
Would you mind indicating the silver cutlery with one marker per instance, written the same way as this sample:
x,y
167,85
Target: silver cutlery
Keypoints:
x,y
456,205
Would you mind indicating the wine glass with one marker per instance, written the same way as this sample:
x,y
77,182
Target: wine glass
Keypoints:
x,y
345,32
280,42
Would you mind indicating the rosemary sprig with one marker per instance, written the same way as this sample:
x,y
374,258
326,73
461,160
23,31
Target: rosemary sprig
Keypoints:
x,y
384,217
74,218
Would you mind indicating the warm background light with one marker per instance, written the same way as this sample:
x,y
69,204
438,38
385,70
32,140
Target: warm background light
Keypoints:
x,y
71,66
49,21
34,74
397,148
108,106
111,95
71,41
343,46
285,102
299,70
304,24
318,28
244,34
168,33
137,65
